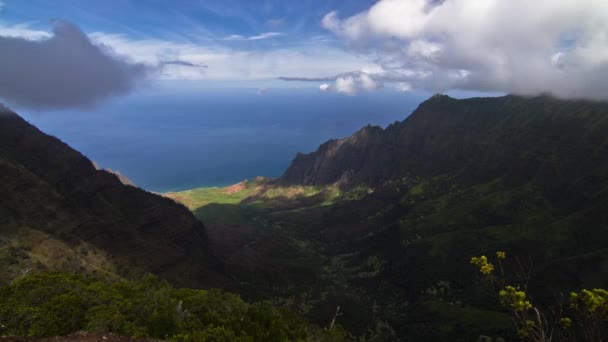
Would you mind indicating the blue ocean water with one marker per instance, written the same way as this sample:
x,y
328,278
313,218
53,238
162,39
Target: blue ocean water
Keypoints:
x,y
172,139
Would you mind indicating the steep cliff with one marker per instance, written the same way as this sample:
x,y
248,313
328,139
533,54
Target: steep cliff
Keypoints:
x,y
559,144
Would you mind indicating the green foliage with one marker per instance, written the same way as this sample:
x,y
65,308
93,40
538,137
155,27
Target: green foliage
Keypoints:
x,y
514,299
590,313
52,303
550,322
591,303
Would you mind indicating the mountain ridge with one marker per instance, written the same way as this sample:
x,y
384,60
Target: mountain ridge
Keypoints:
x,y
431,141
52,188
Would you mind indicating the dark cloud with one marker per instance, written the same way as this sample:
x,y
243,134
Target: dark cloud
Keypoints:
x,y
184,63
65,71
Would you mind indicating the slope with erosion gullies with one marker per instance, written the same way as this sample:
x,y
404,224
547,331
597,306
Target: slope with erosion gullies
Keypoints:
x,y
57,210
542,139
457,178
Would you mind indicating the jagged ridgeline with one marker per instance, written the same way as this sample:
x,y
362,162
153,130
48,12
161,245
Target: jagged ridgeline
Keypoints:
x,y
551,142
57,210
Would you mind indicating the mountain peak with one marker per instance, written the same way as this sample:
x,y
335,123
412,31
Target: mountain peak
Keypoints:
x,y
439,96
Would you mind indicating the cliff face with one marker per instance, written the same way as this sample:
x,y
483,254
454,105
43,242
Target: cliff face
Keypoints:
x,y
558,144
48,186
335,160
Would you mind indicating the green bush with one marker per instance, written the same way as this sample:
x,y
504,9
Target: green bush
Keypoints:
x,y
53,303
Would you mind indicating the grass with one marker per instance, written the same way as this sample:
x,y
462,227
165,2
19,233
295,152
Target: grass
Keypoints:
x,y
196,198
247,201
23,249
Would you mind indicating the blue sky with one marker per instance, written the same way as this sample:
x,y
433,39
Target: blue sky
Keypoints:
x,y
225,36
187,21
346,46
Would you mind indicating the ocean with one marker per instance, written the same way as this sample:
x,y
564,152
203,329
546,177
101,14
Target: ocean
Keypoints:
x,y
172,139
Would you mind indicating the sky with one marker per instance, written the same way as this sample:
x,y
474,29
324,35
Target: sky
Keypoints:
x,y
97,50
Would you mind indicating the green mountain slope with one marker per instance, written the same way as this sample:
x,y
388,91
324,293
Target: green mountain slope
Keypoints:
x,y
465,177
57,210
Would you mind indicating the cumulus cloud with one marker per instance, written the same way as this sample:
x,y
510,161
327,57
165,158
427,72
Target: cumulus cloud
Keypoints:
x,y
353,84
515,46
369,77
346,85
64,70
403,87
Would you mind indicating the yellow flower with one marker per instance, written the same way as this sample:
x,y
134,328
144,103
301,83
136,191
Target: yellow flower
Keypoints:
x,y
484,266
514,299
501,254
486,269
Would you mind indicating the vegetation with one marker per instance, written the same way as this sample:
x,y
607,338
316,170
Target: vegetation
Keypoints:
x,y
411,202
380,224
240,202
551,321
57,204
53,303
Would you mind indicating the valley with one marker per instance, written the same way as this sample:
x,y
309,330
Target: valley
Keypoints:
x,y
374,231
304,171
383,223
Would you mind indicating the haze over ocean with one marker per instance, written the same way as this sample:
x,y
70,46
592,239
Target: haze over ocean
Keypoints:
x,y
171,139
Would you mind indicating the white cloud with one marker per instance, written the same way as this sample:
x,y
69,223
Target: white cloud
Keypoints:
x,y
346,85
557,46
372,69
315,60
367,83
324,87
403,87
264,35
354,83
424,49
23,31
226,63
